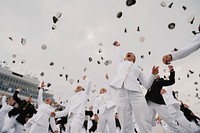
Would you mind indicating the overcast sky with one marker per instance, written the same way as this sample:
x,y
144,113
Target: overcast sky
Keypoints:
x,y
86,23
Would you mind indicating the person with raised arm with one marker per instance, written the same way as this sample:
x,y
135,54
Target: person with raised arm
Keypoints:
x,y
183,52
130,96
39,123
75,108
105,106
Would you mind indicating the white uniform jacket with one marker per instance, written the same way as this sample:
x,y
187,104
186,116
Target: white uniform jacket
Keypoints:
x,y
103,102
128,75
43,113
77,103
188,49
4,109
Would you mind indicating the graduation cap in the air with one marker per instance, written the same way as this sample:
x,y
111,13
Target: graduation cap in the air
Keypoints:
x,y
101,44
184,8
90,59
119,14
66,77
23,41
192,21
101,58
109,61
196,83
149,52
60,75
23,61
106,63
51,63
138,28
191,71
194,32
13,61
14,55
55,19
10,38
142,39
48,84
170,5
171,26
130,2
163,4
100,50
42,74
54,27
44,47
142,56
188,75
175,49
98,62
71,81
125,30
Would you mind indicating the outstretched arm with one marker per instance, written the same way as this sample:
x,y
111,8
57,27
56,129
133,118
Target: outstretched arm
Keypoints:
x,y
40,97
183,52
148,82
3,100
15,96
62,113
88,85
119,55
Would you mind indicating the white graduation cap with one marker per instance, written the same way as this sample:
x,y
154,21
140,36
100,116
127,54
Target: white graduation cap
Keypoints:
x,y
23,41
44,47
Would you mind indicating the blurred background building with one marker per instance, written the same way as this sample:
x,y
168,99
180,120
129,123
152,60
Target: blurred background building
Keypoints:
x,y
10,81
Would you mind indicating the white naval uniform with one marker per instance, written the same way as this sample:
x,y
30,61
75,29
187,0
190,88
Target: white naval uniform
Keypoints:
x,y
39,123
4,111
76,110
174,107
130,96
188,49
106,106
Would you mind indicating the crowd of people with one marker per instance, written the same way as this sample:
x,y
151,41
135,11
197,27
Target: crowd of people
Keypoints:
x,y
131,113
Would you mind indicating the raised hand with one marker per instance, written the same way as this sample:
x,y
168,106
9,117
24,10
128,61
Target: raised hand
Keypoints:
x,y
155,70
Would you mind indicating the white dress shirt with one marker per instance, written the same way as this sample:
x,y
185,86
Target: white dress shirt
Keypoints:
x,y
43,113
103,102
77,103
128,75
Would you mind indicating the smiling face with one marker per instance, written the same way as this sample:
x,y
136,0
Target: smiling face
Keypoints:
x,y
130,57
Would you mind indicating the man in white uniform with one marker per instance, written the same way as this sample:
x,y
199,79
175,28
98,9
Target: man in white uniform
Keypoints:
x,y
39,123
6,107
183,52
76,108
105,107
174,107
130,96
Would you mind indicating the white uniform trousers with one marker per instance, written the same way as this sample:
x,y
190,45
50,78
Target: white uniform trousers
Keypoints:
x,y
75,123
10,123
37,128
107,118
180,118
166,115
132,101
